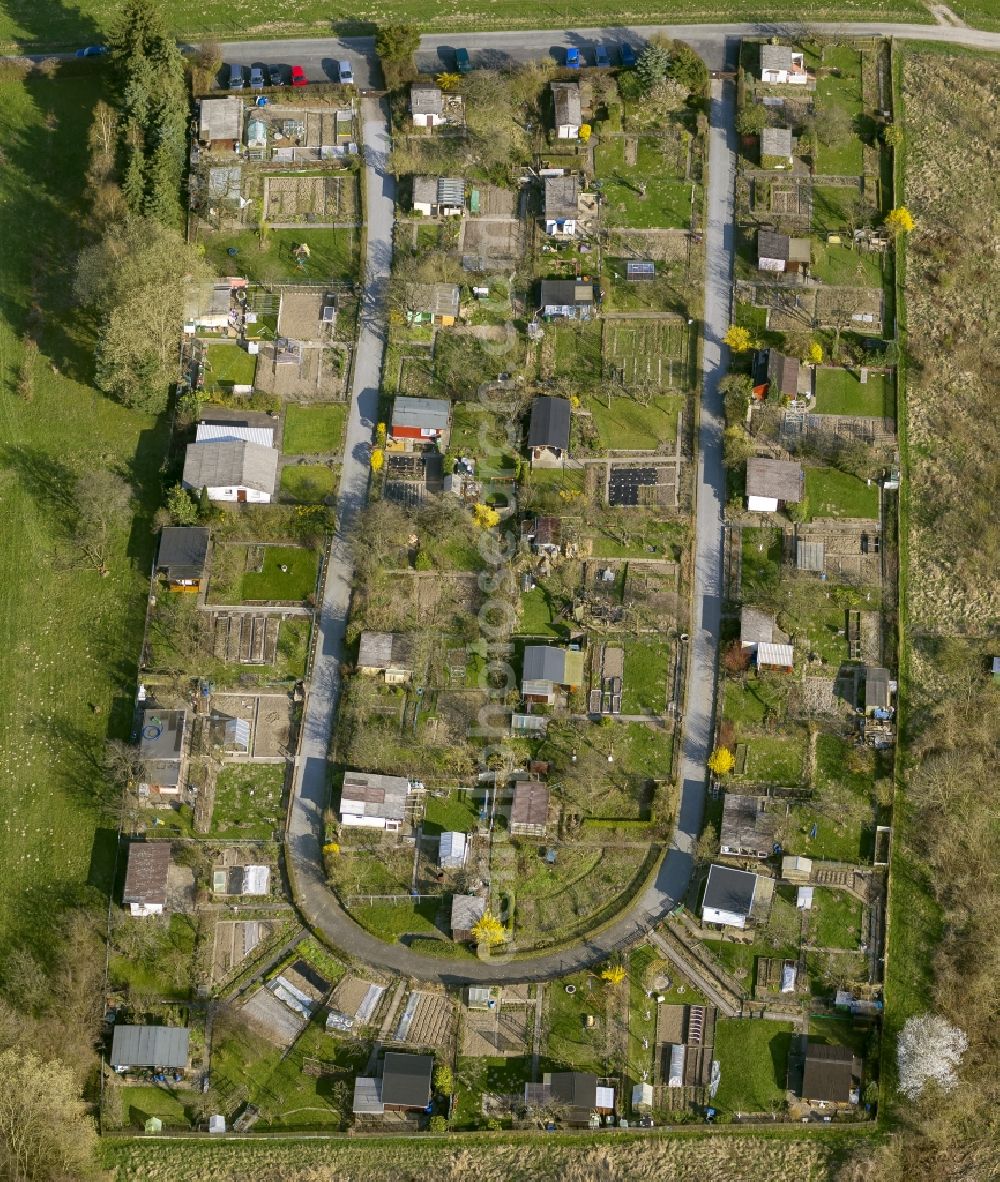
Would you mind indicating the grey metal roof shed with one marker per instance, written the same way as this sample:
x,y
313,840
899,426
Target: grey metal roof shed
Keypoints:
x,y
426,100
562,196
150,1046
549,426
221,465
406,1080
432,414
183,551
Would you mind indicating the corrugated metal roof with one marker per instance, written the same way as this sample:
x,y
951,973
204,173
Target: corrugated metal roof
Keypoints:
x,y
150,1046
231,432
782,655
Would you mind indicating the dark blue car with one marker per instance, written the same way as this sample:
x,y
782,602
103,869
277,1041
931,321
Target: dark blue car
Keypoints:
x,y
602,57
92,51
627,54
572,59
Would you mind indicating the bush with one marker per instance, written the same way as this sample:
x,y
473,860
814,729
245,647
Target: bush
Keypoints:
x,y
438,1124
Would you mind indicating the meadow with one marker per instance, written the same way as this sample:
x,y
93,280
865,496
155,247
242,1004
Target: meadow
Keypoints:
x,y
70,637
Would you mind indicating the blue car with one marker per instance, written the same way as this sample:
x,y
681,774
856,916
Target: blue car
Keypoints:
x,y
572,59
92,51
602,57
627,54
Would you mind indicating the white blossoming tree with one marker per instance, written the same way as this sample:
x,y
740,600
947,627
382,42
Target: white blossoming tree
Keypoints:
x,y
930,1048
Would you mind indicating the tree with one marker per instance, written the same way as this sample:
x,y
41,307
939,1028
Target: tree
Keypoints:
x,y
930,1049
721,762
444,1081
738,338
737,390
687,68
377,461
45,1133
485,516
181,508
893,135
708,844
136,280
488,930
652,66
736,657
614,973
751,119
585,132
102,503
833,123
149,76
449,82
206,510
899,221
395,46
814,354
737,447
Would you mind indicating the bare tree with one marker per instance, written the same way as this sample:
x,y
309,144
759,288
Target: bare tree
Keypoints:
x,y
102,507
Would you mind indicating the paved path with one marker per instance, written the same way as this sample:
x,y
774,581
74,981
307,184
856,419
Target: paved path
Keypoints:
x,y
318,57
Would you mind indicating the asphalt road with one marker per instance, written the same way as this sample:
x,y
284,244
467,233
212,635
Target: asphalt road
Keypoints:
x,y
319,57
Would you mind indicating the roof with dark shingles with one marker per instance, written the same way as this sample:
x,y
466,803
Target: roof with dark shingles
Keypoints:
x,y
549,425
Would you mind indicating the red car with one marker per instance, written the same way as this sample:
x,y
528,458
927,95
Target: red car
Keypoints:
x,y
299,76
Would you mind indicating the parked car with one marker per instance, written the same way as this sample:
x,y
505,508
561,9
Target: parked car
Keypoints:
x,y
92,51
276,76
256,78
299,76
572,58
346,73
462,62
602,57
236,79
627,54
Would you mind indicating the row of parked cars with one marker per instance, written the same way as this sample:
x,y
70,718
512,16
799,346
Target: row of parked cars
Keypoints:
x,y
261,76
575,58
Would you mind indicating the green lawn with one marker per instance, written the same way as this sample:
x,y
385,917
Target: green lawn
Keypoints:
x,y
248,801
538,612
775,759
570,1045
291,585
70,638
834,208
843,266
667,201
165,1102
842,157
647,661
756,698
311,484
314,430
578,352
389,921
832,493
478,433
473,1077
333,255
643,537
840,392
754,1061
456,812
837,919
227,366
760,564
628,425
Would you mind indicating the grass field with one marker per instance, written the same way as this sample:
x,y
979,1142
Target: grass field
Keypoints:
x,y
834,207
456,812
838,919
314,430
70,638
754,1059
227,366
843,156
667,200
311,484
627,425
294,583
645,682
840,392
248,800
333,254
538,615
832,493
